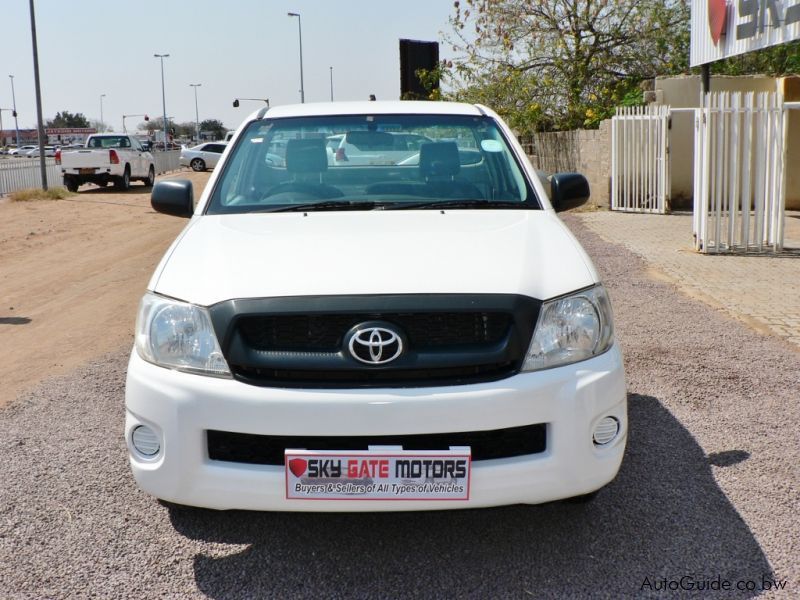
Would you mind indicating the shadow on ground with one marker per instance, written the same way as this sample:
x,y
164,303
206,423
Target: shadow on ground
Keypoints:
x,y
663,517
14,320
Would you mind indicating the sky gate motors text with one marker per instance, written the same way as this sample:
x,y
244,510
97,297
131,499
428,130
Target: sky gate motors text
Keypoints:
x,y
404,468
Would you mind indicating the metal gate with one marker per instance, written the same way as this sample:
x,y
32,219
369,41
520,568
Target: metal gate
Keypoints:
x,y
639,159
739,173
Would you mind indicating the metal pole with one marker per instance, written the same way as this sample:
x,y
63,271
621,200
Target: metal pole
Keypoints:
x,y
14,104
300,35
196,112
102,122
331,68
42,167
163,97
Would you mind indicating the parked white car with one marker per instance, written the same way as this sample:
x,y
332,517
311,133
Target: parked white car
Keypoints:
x,y
203,156
49,151
377,147
22,151
374,337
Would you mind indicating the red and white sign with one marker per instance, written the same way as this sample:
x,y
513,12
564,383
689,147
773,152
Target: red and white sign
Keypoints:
x,y
723,28
717,18
378,474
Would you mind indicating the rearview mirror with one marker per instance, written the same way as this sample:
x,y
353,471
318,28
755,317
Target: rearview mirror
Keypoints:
x,y
568,190
174,197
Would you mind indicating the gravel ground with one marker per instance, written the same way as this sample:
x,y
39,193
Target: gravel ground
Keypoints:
x,y
708,489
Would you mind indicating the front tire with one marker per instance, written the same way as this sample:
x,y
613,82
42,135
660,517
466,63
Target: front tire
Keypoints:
x,y
151,177
124,182
198,164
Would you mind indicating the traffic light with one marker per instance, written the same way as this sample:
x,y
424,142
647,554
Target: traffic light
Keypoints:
x,y
13,113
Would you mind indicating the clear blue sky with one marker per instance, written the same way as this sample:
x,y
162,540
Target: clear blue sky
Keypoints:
x,y
244,48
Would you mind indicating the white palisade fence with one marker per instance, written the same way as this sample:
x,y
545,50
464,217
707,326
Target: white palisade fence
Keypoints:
x,y
639,159
22,173
739,177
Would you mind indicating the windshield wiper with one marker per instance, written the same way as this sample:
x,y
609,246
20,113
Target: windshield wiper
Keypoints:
x,y
464,203
319,206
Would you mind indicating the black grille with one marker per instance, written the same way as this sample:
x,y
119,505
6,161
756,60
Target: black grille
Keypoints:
x,y
356,378
301,341
269,449
325,333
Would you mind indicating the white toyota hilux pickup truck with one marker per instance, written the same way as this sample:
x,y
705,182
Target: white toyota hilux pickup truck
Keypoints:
x,y
107,157
419,332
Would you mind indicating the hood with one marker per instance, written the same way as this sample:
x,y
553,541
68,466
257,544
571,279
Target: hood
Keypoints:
x,y
222,257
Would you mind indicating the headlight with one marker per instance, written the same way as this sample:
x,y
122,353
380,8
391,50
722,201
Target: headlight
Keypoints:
x,y
178,336
571,329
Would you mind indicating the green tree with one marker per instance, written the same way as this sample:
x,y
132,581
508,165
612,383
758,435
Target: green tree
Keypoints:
x,y
214,125
185,129
775,61
67,119
563,63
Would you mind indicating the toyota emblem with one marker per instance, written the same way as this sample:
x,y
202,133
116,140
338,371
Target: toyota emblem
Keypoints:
x,y
375,345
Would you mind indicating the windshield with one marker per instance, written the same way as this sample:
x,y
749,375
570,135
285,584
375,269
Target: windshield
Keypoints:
x,y
368,162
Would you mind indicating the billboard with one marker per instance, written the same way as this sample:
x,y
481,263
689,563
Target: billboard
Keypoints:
x,y
723,28
415,55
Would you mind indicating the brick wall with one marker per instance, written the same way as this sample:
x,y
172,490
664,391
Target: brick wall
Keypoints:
x,y
586,151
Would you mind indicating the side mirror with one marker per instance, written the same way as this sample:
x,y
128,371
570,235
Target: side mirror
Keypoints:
x,y
174,197
568,190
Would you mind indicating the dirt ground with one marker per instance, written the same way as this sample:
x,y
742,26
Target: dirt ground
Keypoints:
x,y
71,275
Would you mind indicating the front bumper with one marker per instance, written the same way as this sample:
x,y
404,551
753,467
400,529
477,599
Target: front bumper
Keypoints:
x,y
570,400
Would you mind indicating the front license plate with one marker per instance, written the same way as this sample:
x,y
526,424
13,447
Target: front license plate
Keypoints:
x,y
86,171
378,474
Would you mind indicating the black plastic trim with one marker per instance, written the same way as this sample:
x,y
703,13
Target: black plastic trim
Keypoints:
x,y
269,449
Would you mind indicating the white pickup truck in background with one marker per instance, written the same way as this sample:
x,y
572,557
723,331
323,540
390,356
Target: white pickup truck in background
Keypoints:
x,y
107,157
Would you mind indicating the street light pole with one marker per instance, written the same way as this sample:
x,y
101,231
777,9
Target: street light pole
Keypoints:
x,y
300,35
42,168
14,104
196,112
163,95
102,122
331,68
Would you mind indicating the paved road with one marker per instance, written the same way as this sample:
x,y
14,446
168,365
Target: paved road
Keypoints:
x,y
761,290
708,489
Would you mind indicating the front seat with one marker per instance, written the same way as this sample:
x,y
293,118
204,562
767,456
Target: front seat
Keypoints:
x,y
306,160
439,164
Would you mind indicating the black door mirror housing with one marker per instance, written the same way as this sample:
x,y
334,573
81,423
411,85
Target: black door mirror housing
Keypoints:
x,y
174,197
568,190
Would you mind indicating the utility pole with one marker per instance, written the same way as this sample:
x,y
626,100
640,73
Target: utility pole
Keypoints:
x,y
196,112
14,104
163,97
42,167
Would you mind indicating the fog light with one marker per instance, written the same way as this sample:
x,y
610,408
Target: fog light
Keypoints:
x,y
605,430
145,441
